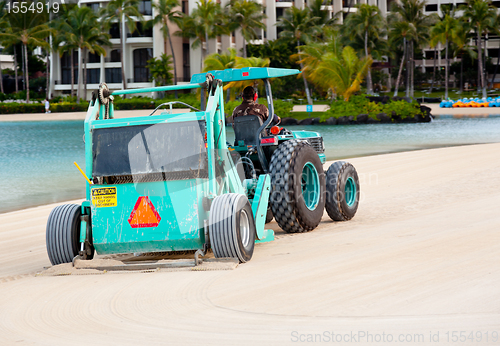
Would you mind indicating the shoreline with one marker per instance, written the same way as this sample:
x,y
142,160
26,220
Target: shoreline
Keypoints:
x,y
435,111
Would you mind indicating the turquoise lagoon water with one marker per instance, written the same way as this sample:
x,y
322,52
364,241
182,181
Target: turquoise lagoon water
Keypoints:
x,y
36,158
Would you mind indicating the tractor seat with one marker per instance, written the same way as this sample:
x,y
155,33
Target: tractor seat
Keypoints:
x,y
245,129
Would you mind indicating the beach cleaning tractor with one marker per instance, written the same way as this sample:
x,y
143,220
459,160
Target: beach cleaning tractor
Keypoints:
x,y
171,182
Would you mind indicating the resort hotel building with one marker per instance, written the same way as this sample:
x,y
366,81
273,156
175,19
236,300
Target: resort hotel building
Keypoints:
x,y
143,44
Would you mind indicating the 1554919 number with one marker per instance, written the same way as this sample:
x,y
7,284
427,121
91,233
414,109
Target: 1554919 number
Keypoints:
x,y
38,7
471,336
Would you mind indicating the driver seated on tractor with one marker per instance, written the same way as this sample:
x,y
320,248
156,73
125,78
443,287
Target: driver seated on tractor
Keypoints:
x,y
249,106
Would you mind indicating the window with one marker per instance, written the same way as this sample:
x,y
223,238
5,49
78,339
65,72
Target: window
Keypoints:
x,y
279,14
94,58
94,7
114,31
115,55
141,32
496,3
125,151
349,3
186,67
145,7
493,52
389,4
429,54
431,8
447,7
93,75
141,57
66,67
185,7
113,75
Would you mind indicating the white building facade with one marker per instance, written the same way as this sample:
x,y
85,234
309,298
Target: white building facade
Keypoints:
x,y
142,45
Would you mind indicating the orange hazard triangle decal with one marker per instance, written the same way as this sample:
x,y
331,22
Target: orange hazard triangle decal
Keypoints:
x,y
144,214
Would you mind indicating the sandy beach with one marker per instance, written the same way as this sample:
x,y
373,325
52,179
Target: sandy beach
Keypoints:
x,y
417,263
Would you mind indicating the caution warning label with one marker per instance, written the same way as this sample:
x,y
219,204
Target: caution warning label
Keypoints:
x,y
104,197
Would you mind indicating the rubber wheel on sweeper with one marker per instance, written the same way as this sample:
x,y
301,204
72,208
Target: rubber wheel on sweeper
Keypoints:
x,y
232,227
298,186
63,233
342,191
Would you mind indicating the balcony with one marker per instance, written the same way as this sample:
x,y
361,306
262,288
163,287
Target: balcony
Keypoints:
x,y
284,3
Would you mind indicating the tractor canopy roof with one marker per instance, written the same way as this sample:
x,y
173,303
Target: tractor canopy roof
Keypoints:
x,y
245,73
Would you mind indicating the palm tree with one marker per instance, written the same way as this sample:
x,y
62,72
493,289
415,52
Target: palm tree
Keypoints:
x,y
81,31
60,43
462,47
412,12
203,24
279,51
317,10
159,69
445,9
218,61
366,22
247,62
248,16
28,28
189,28
117,11
4,26
445,31
299,26
342,74
496,30
165,13
311,55
481,17
400,33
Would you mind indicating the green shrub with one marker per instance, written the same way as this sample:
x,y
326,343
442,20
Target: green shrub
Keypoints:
x,y
341,109
191,99
14,108
402,109
230,106
68,107
282,108
129,104
359,104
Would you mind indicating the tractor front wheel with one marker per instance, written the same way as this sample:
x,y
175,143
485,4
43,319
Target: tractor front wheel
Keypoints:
x,y
342,191
232,227
298,186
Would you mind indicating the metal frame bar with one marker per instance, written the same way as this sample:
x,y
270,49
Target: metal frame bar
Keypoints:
x,y
161,88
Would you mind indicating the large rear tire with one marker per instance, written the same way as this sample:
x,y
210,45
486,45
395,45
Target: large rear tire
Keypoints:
x,y
63,233
298,186
232,227
342,191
